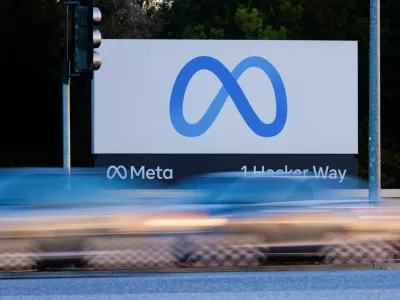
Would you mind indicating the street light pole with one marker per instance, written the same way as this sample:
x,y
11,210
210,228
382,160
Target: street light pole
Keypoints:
x,y
374,105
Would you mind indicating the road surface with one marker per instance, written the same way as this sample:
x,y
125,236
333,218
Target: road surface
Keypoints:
x,y
360,285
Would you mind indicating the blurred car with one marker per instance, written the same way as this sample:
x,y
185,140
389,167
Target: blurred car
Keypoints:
x,y
49,217
281,215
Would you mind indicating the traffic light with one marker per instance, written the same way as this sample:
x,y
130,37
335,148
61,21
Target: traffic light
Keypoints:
x,y
86,38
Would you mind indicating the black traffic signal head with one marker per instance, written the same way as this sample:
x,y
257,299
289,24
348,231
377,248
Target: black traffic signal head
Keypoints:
x,y
86,38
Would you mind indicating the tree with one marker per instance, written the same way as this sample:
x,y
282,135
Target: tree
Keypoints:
x,y
129,19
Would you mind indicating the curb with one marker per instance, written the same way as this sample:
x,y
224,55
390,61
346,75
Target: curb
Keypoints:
x,y
122,273
387,266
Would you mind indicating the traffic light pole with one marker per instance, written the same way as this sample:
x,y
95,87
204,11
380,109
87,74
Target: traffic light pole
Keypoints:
x,y
66,104
66,94
374,171
81,52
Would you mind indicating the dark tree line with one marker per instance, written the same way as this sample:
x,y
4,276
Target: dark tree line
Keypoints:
x,y
31,55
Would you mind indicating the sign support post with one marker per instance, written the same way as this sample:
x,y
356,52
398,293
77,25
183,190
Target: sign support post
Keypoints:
x,y
66,94
374,171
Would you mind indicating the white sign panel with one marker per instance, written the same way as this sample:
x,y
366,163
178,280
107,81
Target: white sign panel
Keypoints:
x,y
233,97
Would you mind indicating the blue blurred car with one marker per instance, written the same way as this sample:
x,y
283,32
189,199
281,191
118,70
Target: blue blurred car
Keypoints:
x,y
52,217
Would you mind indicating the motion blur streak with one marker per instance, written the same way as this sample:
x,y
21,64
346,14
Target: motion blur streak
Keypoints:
x,y
380,217
49,219
187,222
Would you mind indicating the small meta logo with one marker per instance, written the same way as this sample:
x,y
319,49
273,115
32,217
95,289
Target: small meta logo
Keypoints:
x,y
230,88
120,171
132,173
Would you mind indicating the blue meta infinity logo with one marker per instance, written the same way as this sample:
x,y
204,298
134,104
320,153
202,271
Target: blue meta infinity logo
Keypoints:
x,y
230,88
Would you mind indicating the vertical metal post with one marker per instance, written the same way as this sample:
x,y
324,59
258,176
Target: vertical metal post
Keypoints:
x,y
66,102
374,105
66,126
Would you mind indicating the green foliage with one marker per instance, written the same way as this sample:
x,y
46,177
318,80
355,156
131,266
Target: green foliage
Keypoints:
x,y
250,22
196,32
217,34
128,19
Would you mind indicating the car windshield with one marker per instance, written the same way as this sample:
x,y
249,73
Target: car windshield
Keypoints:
x,y
225,189
230,188
202,189
347,182
269,189
256,190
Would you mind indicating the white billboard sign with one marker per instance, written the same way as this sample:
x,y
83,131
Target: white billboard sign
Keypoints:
x,y
233,97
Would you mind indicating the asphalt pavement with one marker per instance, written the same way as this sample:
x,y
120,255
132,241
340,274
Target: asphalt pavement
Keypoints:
x,y
360,285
